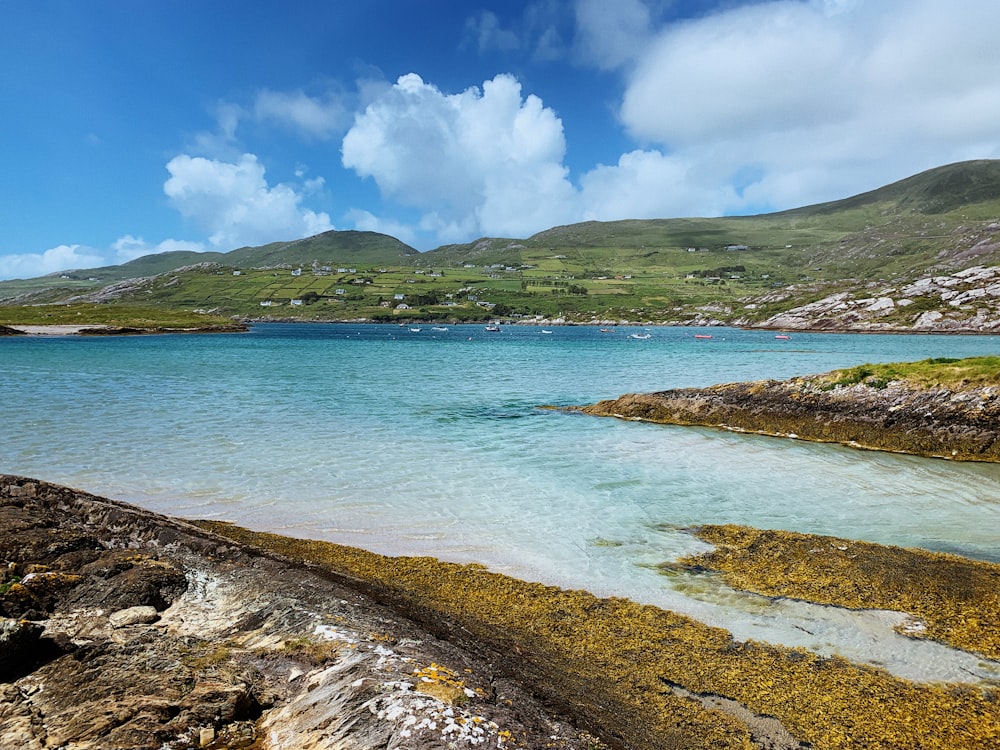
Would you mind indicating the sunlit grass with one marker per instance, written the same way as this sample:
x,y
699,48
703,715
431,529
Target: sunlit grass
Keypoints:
x,y
971,372
109,315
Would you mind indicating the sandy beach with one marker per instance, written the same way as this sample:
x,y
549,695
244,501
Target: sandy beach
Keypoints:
x,y
56,330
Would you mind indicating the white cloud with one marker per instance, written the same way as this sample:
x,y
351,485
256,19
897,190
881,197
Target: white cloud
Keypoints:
x,y
484,161
819,99
650,185
365,221
233,203
61,258
314,116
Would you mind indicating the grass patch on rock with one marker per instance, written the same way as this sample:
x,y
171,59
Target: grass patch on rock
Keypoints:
x,y
942,372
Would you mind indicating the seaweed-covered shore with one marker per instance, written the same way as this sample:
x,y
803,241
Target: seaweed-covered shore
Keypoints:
x,y
126,629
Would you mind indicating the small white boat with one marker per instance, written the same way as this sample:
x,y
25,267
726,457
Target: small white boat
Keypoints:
x,y
416,330
640,336
493,328
545,331
439,328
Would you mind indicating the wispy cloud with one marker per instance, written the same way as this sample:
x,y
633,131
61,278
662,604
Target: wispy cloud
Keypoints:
x,y
486,34
315,117
610,35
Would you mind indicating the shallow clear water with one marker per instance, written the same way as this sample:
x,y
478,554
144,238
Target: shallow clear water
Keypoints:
x,y
431,442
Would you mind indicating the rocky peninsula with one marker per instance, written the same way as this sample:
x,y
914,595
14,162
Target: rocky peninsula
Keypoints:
x,y
863,408
126,629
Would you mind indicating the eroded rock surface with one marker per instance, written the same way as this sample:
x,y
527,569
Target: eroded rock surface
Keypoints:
x,y
125,629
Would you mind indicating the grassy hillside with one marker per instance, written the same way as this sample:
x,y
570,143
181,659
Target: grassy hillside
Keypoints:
x,y
741,269
116,316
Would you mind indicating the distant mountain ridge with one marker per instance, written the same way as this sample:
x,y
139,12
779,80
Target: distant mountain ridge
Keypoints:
x,y
918,254
335,246
935,191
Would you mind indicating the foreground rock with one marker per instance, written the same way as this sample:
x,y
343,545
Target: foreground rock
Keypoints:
x,y
936,422
123,629
162,634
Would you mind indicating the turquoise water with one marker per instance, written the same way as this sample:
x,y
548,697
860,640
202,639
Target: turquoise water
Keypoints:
x,y
431,442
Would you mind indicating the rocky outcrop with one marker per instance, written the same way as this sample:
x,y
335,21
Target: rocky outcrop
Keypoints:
x,y
962,425
124,629
966,301
271,643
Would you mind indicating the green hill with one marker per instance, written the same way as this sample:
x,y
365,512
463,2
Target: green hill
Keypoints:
x,y
739,270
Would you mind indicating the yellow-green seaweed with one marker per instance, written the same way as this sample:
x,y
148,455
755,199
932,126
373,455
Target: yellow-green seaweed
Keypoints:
x,y
957,598
612,663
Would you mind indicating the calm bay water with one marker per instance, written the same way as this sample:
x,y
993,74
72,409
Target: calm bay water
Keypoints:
x,y
431,442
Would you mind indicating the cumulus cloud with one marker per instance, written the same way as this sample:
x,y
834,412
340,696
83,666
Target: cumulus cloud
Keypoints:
x,y
61,258
820,99
651,185
485,161
233,203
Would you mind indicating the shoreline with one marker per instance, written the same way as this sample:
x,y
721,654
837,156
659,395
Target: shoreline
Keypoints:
x,y
346,643
242,325
85,329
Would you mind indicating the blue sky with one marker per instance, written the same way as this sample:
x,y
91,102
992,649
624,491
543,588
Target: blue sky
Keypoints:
x,y
129,127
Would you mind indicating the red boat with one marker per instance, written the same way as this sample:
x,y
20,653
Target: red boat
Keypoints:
x,y
703,335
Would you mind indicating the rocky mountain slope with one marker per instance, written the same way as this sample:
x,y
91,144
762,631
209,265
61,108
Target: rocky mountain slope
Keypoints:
x,y
967,301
